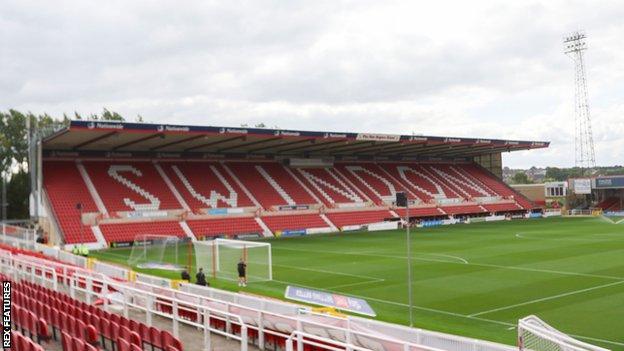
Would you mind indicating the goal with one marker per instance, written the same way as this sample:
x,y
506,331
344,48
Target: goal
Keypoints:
x,y
536,335
166,252
220,257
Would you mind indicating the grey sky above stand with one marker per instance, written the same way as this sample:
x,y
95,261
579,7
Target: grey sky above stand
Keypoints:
x,y
482,69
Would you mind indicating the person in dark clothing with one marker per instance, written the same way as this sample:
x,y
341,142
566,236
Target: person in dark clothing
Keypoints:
x,y
185,275
200,278
242,273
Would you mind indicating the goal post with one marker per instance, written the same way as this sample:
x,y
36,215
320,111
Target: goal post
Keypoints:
x,y
220,257
152,251
536,335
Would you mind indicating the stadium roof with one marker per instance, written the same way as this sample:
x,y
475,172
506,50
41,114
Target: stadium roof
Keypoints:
x,y
113,136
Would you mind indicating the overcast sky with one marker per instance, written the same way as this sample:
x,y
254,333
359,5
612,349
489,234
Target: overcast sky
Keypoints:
x,y
492,69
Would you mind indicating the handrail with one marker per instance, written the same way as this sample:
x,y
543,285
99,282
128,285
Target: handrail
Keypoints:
x,y
130,297
326,343
17,266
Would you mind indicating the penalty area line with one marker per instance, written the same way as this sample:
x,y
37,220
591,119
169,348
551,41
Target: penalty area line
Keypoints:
x,y
327,272
355,284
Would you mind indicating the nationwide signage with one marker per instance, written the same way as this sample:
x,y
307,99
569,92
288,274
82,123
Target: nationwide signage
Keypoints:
x,y
163,128
286,133
335,135
98,125
323,298
233,130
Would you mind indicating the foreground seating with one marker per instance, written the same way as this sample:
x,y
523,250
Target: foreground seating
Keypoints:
x,y
23,343
46,314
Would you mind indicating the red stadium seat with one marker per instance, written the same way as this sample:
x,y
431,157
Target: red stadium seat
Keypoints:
x,y
66,341
123,345
91,335
78,344
155,338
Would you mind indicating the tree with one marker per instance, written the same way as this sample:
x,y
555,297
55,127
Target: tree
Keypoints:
x,y
521,178
106,116
111,116
14,150
18,191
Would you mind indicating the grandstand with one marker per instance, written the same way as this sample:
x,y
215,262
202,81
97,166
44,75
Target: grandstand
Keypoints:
x,y
107,182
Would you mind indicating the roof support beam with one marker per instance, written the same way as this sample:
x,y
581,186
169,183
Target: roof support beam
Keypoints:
x,y
311,141
367,147
435,149
402,148
347,146
264,141
446,149
101,137
195,137
140,140
308,146
223,141
493,150
461,150
378,148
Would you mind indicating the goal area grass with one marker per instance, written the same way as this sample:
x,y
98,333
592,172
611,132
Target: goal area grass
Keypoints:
x,y
473,280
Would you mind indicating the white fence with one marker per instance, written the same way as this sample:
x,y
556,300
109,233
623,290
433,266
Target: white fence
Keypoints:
x,y
287,318
159,303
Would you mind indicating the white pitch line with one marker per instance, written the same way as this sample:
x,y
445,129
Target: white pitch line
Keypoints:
x,y
569,293
327,272
527,269
449,256
607,219
583,240
355,284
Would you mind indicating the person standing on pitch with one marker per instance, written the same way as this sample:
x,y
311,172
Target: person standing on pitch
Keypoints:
x,y
242,273
185,275
200,278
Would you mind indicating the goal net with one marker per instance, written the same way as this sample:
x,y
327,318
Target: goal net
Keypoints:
x,y
221,256
158,252
536,335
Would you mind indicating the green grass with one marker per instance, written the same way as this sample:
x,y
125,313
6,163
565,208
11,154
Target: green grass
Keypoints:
x,y
474,280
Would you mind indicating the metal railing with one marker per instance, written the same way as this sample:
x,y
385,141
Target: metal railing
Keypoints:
x,y
154,304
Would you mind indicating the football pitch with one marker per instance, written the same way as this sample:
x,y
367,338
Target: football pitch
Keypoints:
x,y
474,280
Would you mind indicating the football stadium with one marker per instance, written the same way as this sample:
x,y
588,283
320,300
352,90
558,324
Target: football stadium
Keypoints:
x,y
348,241
312,176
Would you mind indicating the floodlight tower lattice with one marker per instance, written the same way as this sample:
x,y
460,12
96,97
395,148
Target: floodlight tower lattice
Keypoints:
x,y
574,46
